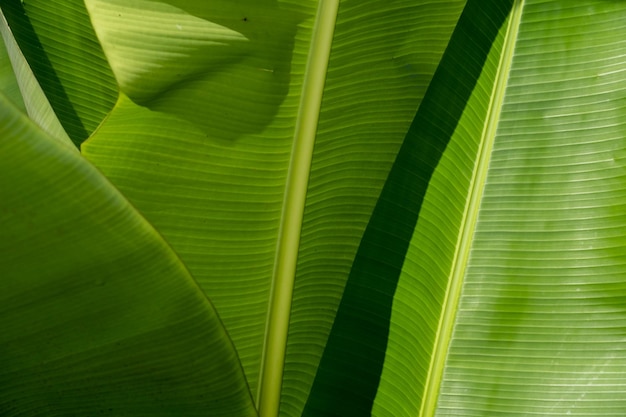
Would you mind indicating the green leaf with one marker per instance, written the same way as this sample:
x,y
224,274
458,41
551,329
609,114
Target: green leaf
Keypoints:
x,y
24,89
348,377
8,81
382,60
58,40
517,255
471,267
98,315
228,134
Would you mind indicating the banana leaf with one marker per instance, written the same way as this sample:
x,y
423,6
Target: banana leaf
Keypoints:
x,y
397,208
21,87
99,316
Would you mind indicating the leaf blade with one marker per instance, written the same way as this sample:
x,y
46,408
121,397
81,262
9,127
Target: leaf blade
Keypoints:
x,y
504,352
30,93
215,138
107,320
58,42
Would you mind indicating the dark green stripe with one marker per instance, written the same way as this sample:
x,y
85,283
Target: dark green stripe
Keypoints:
x,y
349,372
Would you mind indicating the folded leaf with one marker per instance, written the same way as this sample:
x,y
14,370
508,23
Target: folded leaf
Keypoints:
x,y
58,40
473,266
8,81
28,94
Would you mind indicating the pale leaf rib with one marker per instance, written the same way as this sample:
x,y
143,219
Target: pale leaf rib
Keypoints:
x,y
273,359
468,224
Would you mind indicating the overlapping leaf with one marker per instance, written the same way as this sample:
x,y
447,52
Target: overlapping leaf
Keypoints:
x,y
22,86
98,315
58,40
517,256
205,152
501,221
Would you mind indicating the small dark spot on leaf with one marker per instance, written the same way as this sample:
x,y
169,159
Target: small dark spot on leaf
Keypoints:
x,y
245,19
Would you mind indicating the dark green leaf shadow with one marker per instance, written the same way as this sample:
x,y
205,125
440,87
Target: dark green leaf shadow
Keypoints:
x,y
349,372
79,103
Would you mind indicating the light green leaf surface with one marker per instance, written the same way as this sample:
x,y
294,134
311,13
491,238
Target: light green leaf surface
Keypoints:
x,y
29,93
8,82
191,156
473,266
204,153
518,253
98,315
382,59
59,42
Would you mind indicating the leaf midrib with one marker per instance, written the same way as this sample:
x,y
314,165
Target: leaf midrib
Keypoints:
x,y
277,325
470,216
